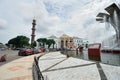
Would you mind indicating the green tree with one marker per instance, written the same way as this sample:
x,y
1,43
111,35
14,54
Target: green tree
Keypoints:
x,y
49,43
53,42
34,44
19,41
43,41
12,42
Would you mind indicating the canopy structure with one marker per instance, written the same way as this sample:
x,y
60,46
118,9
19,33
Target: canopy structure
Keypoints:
x,y
102,17
110,9
113,18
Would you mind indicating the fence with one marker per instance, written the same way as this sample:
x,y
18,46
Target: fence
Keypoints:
x,y
37,75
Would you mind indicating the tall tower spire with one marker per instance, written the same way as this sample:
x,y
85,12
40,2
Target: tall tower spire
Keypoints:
x,y
33,31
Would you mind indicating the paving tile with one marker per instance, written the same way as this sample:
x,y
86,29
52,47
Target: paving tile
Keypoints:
x,y
14,68
26,77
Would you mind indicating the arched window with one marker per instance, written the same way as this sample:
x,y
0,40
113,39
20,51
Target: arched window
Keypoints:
x,y
62,44
66,44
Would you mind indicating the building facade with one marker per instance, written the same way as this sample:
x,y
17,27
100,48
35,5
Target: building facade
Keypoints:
x,y
66,41
85,43
77,41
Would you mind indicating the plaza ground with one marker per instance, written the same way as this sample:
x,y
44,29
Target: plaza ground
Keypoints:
x,y
55,66
11,55
58,67
16,67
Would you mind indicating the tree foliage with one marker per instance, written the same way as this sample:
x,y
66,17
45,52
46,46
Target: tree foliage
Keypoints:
x,y
0,43
53,42
42,41
19,41
46,41
49,42
34,44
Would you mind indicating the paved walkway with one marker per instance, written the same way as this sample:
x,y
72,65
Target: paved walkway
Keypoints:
x,y
101,72
19,69
62,68
55,66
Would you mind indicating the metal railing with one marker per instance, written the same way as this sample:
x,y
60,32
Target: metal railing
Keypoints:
x,y
37,74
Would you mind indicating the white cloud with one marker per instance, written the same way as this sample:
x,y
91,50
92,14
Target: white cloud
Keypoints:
x,y
84,21
3,23
73,17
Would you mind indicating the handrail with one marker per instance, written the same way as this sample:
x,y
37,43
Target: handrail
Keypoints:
x,y
39,75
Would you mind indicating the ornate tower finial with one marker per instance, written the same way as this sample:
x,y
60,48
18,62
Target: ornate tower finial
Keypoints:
x,y
33,31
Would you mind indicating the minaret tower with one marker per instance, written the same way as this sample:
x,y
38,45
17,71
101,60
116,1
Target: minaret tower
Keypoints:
x,y
33,31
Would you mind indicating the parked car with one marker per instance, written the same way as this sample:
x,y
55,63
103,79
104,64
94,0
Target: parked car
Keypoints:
x,y
35,51
25,52
42,49
17,48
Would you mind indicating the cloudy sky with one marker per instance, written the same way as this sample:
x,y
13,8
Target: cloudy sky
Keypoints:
x,y
54,17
